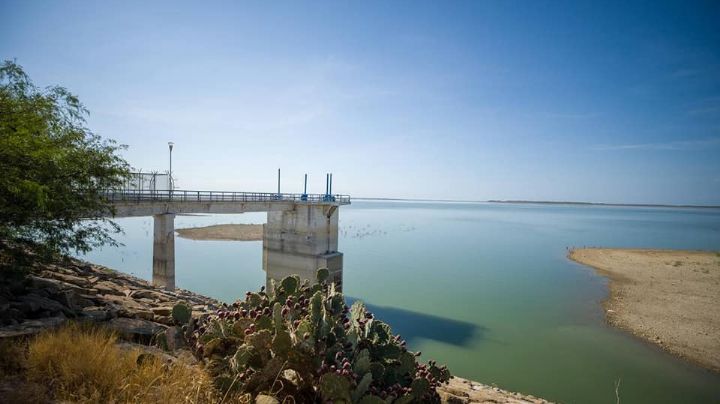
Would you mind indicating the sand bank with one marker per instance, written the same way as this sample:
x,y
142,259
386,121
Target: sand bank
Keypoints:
x,y
668,297
235,232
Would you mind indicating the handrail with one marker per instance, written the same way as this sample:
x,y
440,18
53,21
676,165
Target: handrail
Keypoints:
x,y
124,195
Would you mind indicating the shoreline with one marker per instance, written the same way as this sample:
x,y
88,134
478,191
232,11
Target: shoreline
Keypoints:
x,y
666,297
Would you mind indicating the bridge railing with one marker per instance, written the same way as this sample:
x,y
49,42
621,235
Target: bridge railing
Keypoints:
x,y
220,196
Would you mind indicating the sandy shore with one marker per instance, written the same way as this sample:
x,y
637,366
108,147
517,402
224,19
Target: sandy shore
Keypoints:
x,y
668,297
235,232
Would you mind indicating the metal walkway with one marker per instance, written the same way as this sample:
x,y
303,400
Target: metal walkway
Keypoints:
x,y
222,196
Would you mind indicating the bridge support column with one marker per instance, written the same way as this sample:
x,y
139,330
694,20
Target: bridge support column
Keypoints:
x,y
299,241
164,251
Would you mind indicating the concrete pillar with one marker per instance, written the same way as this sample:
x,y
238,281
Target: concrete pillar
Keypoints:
x,y
164,251
299,241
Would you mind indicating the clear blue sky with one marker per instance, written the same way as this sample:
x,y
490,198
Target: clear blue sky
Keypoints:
x,y
588,101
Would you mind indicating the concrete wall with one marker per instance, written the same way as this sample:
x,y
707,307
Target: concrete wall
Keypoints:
x,y
164,251
301,240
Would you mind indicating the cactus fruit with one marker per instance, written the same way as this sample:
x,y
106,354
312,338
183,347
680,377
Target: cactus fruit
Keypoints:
x,y
301,340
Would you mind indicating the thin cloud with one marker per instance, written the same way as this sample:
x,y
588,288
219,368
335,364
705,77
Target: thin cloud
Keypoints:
x,y
682,145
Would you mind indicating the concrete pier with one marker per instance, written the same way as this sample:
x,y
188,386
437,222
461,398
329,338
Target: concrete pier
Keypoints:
x,y
164,251
301,240
301,234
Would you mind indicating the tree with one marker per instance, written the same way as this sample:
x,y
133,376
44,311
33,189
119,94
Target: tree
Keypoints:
x,y
53,169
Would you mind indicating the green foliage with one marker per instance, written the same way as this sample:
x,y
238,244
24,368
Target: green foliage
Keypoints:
x,y
54,169
303,341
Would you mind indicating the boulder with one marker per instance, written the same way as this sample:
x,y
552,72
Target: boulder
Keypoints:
x,y
29,327
135,328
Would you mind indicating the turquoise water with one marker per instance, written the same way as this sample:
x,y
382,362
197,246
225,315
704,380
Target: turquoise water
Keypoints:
x,y
485,288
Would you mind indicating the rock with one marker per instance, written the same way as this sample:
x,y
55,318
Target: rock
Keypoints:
x,y
127,307
75,301
162,310
29,327
166,320
175,339
11,316
72,279
144,294
96,313
134,328
264,399
35,303
109,288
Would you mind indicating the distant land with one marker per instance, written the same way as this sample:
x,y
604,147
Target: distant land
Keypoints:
x,y
634,205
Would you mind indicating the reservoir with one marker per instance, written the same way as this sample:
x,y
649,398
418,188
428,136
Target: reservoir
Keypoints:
x,y
485,288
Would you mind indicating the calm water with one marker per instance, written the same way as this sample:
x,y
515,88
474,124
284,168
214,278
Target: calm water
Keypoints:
x,y
485,288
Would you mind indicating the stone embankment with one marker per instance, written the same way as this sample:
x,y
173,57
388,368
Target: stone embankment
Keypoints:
x,y
82,291
76,290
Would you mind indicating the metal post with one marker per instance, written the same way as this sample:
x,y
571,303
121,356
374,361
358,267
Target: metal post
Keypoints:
x,y
327,182
305,188
278,181
330,193
170,145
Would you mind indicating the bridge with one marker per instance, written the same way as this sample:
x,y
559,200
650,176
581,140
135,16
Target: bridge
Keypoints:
x,y
300,236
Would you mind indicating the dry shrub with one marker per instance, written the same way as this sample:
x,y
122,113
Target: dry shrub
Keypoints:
x,y
84,364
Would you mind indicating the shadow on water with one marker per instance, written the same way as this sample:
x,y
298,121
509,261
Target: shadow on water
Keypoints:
x,y
412,325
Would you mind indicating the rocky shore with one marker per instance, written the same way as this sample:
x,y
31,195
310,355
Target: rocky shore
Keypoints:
x,y
56,293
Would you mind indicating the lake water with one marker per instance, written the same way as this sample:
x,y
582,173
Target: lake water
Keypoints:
x,y
485,288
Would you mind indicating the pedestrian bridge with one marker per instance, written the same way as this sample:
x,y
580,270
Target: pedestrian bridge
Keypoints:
x,y
300,236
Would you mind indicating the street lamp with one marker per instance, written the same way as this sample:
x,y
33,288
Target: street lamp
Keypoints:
x,y
170,146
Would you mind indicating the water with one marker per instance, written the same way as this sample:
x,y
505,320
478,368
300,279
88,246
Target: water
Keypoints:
x,y
485,288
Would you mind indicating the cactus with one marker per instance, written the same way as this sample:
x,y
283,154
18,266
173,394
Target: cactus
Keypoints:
x,y
335,353
181,313
334,387
322,275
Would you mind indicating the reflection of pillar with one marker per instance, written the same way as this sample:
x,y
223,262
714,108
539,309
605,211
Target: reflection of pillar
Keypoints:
x,y
164,251
299,241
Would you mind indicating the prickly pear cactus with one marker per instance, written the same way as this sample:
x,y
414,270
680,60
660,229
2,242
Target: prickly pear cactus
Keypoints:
x,y
181,313
303,341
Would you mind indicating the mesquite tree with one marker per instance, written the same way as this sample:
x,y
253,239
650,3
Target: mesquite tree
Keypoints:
x,y
53,170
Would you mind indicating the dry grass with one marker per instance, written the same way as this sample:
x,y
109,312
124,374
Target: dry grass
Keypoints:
x,y
84,365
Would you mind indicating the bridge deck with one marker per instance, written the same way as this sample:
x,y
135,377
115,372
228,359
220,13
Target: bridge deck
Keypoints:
x,y
146,202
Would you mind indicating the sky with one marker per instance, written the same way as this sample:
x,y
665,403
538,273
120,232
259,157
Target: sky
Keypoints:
x,y
567,101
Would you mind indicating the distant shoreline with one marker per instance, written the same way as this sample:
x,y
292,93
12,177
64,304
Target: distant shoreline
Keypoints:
x,y
630,205
524,202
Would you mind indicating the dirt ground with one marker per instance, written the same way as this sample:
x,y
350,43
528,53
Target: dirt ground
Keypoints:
x,y
668,297
235,232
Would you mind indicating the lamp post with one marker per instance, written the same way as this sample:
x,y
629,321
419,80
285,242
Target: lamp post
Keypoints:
x,y
170,146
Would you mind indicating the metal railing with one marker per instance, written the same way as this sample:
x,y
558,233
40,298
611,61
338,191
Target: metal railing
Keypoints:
x,y
221,196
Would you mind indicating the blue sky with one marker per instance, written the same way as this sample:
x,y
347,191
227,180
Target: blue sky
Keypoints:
x,y
586,101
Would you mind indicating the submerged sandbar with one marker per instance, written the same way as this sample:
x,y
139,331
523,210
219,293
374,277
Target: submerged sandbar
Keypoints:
x,y
233,232
668,297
